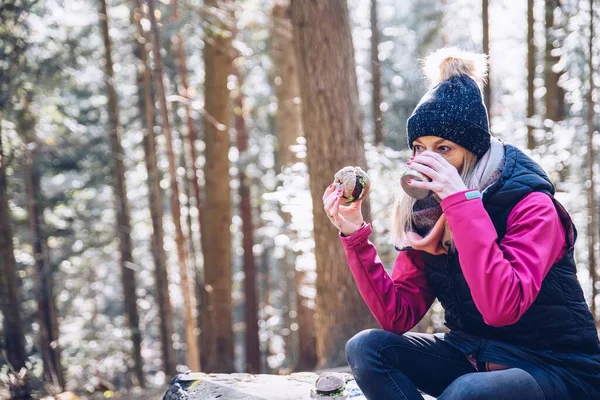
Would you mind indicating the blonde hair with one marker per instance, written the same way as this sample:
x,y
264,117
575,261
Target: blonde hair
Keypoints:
x,y
402,217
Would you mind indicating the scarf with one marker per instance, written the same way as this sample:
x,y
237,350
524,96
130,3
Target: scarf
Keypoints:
x,y
429,222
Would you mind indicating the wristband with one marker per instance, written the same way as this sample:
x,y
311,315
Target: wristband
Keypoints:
x,y
473,194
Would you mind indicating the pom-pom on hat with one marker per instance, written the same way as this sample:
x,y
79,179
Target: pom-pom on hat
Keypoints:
x,y
453,107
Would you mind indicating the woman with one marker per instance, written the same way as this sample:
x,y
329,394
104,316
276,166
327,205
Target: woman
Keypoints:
x,y
492,245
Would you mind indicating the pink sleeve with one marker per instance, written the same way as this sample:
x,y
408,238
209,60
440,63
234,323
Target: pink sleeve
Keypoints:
x,y
398,302
505,278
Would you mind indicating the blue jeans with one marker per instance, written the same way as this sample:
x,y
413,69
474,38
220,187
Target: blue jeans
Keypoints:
x,y
391,366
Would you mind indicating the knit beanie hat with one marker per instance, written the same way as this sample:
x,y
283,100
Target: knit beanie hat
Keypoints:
x,y
453,107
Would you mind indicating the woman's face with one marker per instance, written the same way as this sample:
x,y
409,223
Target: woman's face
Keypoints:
x,y
452,152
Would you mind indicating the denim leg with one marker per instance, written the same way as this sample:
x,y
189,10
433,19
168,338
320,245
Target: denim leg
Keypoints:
x,y
391,366
508,384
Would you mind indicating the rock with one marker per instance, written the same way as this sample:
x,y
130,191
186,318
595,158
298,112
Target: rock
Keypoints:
x,y
296,386
200,386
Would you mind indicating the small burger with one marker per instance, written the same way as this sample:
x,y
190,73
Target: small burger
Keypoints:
x,y
329,386
355,183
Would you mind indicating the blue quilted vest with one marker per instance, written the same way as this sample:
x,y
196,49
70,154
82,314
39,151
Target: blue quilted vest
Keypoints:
x,y
559,318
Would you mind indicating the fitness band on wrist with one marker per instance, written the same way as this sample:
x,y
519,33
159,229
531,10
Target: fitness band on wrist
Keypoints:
x,y
473,194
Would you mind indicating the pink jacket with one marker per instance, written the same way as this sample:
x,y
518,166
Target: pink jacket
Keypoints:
x,y
503,290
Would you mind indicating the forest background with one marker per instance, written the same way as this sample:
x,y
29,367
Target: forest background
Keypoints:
x,y
162,164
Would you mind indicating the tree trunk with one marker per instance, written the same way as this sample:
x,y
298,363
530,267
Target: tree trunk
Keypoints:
x,y
193,170
191,184
146,104
47,318
121,203
264,300
187,191
289,129
189,301
555,94
217,335
250,303
334,139
186,93
444,34
307,339
45,291
186,186
530,75
288,119
186,202
592,207
376,77
10,305
487,88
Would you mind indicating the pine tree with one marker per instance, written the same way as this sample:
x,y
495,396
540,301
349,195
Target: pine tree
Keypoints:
x,y
10,306
217,332
193,355
250,303
555,94
47,313
487,89
12,50
146,102
592,206
376,77
530,75
121,203
334,138
288,129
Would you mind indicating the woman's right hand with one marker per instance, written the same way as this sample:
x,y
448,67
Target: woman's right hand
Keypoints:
x,y
347,219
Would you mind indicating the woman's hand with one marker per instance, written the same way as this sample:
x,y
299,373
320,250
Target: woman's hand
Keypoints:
x,y
347,219
445,179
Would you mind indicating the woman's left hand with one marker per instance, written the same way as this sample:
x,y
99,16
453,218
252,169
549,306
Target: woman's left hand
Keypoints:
x,y
445,179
